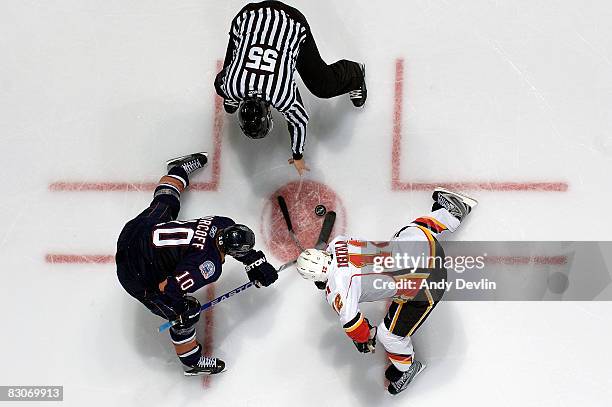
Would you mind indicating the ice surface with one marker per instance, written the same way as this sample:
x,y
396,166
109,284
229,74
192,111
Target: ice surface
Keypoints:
x,y
493,91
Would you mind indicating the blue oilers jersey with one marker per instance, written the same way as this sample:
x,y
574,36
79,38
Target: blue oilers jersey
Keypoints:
x,y
185,253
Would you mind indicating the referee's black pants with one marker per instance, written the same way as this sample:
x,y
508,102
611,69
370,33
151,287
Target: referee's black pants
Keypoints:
x,y
323,80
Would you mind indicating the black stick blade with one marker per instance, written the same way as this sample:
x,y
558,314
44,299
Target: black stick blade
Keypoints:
x,y
326,229
283,207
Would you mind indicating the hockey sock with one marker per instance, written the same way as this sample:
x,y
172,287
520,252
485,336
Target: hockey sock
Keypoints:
x,y
179,172
173,184
431,223
401,362
186,345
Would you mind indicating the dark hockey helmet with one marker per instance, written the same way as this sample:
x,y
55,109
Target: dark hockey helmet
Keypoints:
x,y
237,240
255,117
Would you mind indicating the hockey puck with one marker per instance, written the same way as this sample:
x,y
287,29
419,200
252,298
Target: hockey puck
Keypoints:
x,y
320,210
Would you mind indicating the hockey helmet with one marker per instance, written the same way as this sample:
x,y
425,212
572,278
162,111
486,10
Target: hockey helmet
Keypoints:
x,y
237,240
255,117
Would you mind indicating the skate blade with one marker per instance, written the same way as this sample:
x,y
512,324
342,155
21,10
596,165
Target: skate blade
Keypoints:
x,y
420,371
190,374
174,160
470,201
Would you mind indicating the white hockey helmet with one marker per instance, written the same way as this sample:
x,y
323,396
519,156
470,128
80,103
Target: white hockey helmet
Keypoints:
x,y
314,264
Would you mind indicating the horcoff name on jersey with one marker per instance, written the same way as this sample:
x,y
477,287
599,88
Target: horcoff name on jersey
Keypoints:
x,y
201,232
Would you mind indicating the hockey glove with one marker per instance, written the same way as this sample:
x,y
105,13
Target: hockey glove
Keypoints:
x,y
370,344
258,269
321,285
189,312
252,256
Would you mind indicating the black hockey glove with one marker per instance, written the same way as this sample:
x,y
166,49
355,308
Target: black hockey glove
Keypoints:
x,y
370,345
321,285
258,269
250,257
230,106
189,312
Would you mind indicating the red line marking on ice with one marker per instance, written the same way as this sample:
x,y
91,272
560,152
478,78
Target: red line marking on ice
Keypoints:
x,y
522,260
122,186
79,258
398,185
212,185
209,328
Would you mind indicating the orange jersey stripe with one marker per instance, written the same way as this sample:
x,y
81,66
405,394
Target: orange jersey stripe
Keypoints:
x,y
355,325
359,332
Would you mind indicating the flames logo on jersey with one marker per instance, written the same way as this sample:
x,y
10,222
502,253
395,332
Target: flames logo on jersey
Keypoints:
x,y
338,303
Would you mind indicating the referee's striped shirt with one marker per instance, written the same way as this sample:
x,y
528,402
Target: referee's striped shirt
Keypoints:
x,y
266,42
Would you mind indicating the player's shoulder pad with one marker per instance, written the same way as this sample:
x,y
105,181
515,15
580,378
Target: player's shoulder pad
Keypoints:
x,y
223,221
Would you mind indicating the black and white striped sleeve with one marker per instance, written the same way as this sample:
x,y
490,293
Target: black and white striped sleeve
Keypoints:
x,y
297,120
230,54
233,42
234,32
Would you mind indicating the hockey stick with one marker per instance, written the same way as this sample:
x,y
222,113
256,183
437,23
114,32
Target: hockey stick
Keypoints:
x,y
225,296
283,207
326,229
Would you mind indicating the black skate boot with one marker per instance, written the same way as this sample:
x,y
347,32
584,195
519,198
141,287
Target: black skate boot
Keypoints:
x,y
403,378
458,205
190,163
392,373
206,366
359,96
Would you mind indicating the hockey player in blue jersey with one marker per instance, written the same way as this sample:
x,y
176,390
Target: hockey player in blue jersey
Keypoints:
x,y
161,260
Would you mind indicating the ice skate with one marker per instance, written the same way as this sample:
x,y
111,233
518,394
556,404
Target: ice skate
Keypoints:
x,y
457,204
403,379
206,366
190,163
359,96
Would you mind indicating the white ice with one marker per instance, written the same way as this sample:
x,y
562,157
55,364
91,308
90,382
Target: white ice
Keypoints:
x,y
494,90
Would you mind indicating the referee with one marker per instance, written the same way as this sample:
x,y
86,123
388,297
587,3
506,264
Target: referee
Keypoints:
x,y
268,42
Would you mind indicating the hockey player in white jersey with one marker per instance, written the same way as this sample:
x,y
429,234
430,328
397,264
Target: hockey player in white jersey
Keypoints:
x,y
345,270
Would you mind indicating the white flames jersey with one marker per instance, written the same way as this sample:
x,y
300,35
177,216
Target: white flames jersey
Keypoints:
x,y
351,277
